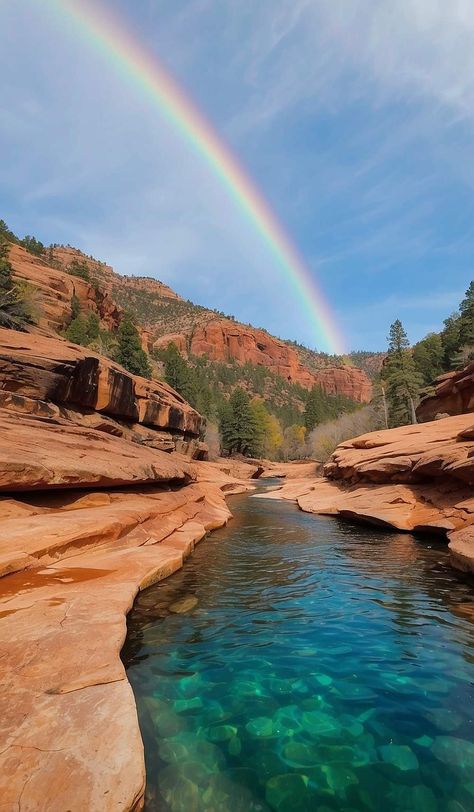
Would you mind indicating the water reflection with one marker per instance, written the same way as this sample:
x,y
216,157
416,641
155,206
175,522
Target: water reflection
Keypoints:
x,y
298,663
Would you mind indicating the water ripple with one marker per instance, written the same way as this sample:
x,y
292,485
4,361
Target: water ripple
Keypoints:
x,y
298,663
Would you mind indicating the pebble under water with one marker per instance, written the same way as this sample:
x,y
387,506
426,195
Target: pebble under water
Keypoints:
x,y
299,664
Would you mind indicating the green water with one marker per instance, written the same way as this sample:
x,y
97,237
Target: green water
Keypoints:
x,y
299,664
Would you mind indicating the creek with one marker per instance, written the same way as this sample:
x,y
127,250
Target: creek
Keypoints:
x,y
300,664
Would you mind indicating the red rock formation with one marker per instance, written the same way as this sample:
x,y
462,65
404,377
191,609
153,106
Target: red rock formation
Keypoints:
x,y
53,370
219,339
410,478
225,340
453,394
68,722
52,291
71,563
172,338
349,381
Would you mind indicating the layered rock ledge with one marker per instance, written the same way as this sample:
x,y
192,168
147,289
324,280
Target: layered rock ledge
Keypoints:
x,y
415,478
97,502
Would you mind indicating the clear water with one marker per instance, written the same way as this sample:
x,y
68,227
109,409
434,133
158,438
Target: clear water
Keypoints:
x,y
299,664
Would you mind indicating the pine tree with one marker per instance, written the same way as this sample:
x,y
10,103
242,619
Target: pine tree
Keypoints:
x,y
178,374
238,425
130,353
77,331
466,325
450,339
75,307
403,378
428,355
13,312
33,246
397,338
314,411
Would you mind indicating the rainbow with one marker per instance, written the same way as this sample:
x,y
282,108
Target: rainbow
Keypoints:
x,y
141,69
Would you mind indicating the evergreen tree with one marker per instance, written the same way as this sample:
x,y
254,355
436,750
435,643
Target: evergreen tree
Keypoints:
x,y
75,306
428,355
80,268
6,234
33,246
13,311
466,320
129,350
314,411
92,326
450,339
402,377
397,339
77,331
178,374
238,425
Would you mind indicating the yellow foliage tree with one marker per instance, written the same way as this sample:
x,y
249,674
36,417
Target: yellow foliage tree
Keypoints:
x,y
270,435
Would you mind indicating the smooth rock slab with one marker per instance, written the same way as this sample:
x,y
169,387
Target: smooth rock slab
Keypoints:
x,y
399,755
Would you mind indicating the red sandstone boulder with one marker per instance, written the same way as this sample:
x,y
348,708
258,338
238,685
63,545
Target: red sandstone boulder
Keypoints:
x,y
453,394
54,370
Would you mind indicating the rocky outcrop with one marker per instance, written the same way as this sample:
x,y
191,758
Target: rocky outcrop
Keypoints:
x,y
348,381
68,722
453,394
224,340
414,478
56,372
51,291
220,339
75,548
439,450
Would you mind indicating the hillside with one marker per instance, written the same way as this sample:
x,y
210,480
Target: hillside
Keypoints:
x,y
163,316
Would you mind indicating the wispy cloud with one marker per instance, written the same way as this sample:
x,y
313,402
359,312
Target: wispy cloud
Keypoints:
x,y
355,118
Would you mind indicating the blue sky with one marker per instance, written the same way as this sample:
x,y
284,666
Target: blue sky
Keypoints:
x,y
355,119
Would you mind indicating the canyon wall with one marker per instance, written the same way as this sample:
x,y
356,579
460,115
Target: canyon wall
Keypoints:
x,y
220,339
224,340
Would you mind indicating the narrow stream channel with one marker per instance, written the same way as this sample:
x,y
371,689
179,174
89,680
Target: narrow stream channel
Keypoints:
x,y
299,664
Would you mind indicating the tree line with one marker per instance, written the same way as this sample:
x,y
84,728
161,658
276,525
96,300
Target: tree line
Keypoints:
x,y
408,371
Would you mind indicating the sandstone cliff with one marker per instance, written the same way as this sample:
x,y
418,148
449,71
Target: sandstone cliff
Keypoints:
x,y
225,340
163,316
52,290
74,551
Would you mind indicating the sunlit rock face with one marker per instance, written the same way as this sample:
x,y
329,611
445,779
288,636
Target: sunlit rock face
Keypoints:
x,y
224,340
453,394
98,498
418,477
51,369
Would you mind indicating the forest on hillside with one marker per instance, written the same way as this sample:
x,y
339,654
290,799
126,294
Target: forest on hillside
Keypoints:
x,y
250,409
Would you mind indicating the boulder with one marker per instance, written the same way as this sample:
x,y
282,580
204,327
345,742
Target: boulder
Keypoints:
x,y
453,394
54,370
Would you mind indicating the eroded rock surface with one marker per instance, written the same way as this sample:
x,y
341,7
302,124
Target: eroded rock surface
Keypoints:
x,y
55,371
453,394
223,340
413,478
72,561
69,730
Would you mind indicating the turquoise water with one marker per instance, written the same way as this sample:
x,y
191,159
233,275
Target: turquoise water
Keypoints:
x,y
299,664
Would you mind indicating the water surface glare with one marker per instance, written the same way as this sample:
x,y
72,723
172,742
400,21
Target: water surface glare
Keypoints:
x,y
299,664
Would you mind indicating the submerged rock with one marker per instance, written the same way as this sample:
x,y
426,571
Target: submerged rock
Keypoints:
x,y
183,605
287,793
261,727
399,755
